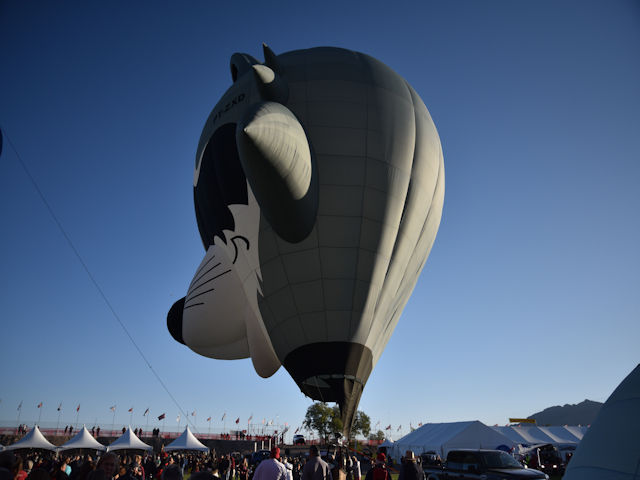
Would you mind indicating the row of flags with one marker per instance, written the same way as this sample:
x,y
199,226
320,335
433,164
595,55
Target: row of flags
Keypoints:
x,y
160,417
42,403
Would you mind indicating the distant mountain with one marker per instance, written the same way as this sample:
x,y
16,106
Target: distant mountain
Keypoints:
x,y
583,413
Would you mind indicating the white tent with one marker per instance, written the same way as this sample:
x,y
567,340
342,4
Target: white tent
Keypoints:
x,y
442,437
525,435
611,447
83,439
129,441
387,443
33,439
562,435
532,435
186,441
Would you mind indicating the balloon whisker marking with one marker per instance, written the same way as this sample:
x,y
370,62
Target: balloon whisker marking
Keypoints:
x,y
197,279
194,305
202,267
197,295
205,282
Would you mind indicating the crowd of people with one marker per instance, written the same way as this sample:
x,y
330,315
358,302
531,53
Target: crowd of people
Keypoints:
x,y
200,466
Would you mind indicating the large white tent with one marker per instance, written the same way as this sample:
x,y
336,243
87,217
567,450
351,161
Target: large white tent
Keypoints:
x,y
533,435
83,439
442,437
129,441
186,441
611,447
33,439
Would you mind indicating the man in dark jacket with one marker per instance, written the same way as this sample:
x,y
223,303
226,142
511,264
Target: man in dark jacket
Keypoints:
x,y
410,470
316,468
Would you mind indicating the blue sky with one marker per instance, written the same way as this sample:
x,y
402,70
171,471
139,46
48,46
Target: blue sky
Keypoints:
x,y
530,295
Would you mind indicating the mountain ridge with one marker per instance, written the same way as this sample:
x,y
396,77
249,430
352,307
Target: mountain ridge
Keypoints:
x,y
583,413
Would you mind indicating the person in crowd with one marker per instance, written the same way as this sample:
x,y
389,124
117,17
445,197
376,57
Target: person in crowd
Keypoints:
x,y
379,470
316,468
355,468
243,470
172,472
288,467
410,470
271,468
109,463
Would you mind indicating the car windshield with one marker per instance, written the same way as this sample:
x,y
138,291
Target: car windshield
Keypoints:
x,y
500,460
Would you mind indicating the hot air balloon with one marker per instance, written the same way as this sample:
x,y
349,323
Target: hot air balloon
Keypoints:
x,y
318,190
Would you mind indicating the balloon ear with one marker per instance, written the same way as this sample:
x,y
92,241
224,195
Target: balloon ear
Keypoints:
x,y
270,59
276,159
240,64
272,87
174,320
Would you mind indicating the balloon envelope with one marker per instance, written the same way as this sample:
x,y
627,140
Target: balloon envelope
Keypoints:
x,y
318,188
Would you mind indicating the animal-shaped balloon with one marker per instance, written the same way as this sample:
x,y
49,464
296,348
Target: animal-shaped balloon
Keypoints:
x,y
318,188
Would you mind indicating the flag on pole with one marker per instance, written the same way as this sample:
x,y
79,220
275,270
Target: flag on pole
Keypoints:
x,y
193,414
297,429
238,420
130,410
420,424
60,406
209,419
250,418
399,428
77,408
20,405
40,405
388,427
178,418
112,408
161,417
263,420
224,416
145,412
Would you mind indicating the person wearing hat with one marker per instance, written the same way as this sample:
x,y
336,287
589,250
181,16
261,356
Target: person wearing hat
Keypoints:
x,y
379,470
410,470
271,468
316,468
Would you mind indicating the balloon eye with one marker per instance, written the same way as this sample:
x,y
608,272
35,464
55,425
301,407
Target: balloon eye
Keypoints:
x,y
221,183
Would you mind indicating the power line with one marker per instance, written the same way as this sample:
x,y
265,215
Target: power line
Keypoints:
x,y
91,277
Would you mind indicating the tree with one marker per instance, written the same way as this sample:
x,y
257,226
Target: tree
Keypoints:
x,y
327,421
319,417
361,425
379,436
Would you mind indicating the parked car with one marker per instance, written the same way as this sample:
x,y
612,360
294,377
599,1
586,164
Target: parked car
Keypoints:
x,y
299,440
259,455
485,464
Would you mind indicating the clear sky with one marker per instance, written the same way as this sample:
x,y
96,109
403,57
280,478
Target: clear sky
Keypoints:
x,y
530,297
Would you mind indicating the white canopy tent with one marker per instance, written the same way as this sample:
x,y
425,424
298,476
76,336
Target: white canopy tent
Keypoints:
x,y
33,439
533,435
442,437
83,439
186,441
611,447
387,443
128,441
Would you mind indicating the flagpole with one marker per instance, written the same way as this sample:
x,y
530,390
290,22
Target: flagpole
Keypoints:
x,y
40,414
147,415
77,415
131,418
163,420
113,420
58,422
209,432
19,412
